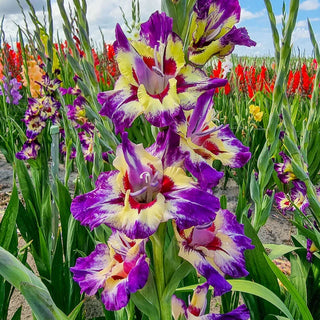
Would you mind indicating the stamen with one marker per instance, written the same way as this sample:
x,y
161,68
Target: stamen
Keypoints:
x,y
139,192
146,175
213,34
209,131
157,71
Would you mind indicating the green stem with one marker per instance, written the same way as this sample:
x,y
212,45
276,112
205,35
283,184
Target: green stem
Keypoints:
x,y
158,240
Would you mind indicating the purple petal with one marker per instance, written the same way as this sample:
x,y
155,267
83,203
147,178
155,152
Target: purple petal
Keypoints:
x,y
138,276
136,168
116,298
208,177
29,150
121,40
120,106
94,207
237,37
190,206
86,270
167,148
232,8
214,278
179,308
199,114
240,153
240,313
156,29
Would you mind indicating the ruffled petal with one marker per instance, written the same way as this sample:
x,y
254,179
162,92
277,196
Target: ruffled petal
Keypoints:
x,y
240,313
216,249
212,30
178,308
187,203
86,270
95,207
119,269
156,29
121,105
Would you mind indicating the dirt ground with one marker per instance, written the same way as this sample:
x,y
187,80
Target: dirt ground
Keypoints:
x,y
277,230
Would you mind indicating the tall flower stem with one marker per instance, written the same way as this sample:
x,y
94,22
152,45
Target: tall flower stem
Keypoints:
x,y
158,240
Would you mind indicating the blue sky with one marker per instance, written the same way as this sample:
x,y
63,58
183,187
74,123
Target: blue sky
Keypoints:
x,y
254,18
106,13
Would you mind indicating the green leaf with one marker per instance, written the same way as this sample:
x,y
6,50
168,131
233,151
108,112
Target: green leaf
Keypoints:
x,y
71,233
260,272
279,250
256,264
255,190
301,304
17,314
26,184
8,223
260,291
73,315
63,203
146,299
34,291
40,302
59,276
223,202
250,287
181,272
272,317
171,259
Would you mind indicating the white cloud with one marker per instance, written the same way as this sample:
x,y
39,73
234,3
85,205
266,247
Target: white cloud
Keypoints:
x,y
279,18
300,33
301,24
310,5
100,13
248,15
8,7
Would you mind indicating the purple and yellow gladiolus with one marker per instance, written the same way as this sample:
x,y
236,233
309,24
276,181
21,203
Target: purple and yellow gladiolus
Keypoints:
x,y
141,194
212,31
154,80
203,142
216,249
197,307
119,268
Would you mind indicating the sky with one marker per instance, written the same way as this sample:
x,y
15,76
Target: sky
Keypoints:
x,y
104,14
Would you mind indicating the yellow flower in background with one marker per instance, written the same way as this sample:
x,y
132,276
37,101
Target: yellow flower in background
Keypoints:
x,y
255,111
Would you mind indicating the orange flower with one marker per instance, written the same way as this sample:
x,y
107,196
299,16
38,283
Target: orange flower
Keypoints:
x,y
35,73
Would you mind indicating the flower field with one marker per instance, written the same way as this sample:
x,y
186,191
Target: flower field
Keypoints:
x,y
153,127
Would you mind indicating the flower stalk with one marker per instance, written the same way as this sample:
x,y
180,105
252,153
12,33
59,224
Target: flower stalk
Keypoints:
x,y
158,240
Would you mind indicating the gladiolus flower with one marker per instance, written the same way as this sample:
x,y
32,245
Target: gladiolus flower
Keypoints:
x,y
212,30
203,142
311,249
154,79
76,112
29,150
297,198
141,194
35,74
197,307
284,170
87,140
121,268
11,90
215,249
